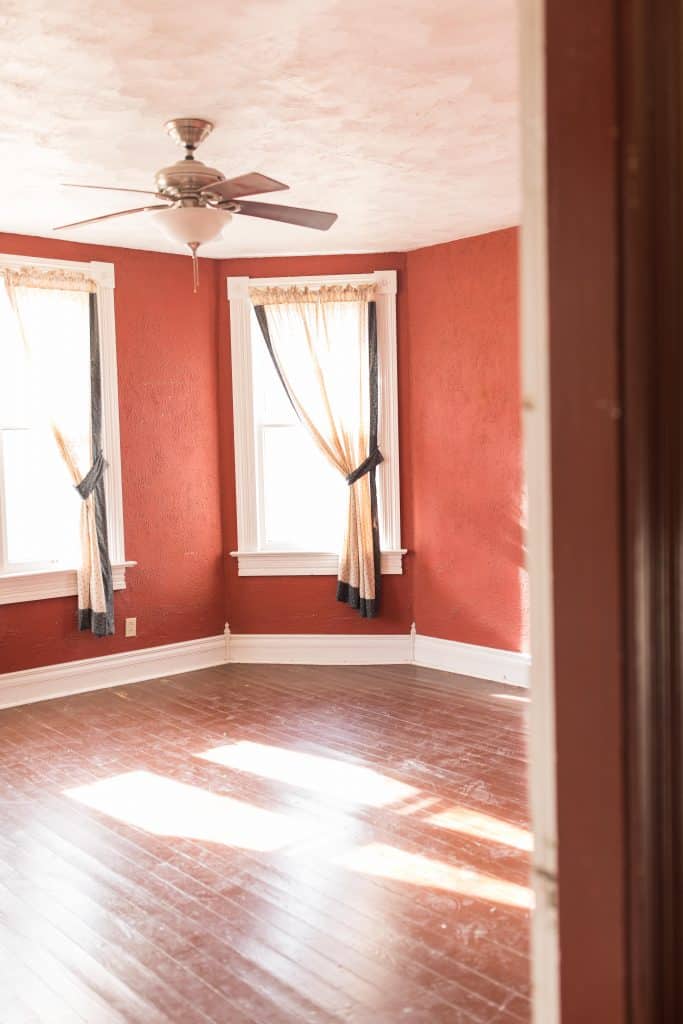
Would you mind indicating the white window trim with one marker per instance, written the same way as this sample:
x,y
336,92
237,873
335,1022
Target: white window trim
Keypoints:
x,y
35,585
250,560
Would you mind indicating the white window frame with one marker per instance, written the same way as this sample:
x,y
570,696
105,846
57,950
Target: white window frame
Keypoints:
x,y
41,583
250,560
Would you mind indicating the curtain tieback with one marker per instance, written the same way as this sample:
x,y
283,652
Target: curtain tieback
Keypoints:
x,y
373,460
92,477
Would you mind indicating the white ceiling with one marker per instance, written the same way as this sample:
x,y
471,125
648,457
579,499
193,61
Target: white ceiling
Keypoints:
x,y
400,115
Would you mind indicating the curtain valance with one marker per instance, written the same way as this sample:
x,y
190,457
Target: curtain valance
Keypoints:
x,y
294,295
57,278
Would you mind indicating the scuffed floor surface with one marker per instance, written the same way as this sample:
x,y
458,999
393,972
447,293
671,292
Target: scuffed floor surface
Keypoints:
x,y
270,845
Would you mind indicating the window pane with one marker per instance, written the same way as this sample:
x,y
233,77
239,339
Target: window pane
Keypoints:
x,y
42,508
15,399
304,496
271,404
58,324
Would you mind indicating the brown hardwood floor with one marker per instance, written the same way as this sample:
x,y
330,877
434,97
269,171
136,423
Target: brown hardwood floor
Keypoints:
x,y
267,844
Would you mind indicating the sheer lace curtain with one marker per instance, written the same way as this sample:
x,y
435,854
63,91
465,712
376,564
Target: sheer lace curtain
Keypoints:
x,y
323,343
28,290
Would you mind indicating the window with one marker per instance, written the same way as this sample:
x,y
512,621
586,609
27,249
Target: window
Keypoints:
x,y
39,507
290,500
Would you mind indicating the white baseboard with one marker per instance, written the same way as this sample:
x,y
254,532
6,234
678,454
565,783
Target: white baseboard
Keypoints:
x,y
320,649
71,677
471,660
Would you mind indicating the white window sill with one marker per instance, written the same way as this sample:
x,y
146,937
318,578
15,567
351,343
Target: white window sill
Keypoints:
x,y
45,583
305,563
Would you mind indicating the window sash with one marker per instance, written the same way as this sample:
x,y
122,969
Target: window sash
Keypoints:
x,y
250,554
51,580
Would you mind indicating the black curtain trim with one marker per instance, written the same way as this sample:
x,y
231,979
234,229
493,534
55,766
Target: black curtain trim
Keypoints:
x,y
374,417
345,592
99,623
92,477
373,460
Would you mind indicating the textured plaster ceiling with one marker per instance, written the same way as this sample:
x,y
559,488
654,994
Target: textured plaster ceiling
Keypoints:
x,y
400,115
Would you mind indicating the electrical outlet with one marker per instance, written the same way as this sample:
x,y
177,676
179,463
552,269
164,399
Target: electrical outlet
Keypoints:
x,y
131,627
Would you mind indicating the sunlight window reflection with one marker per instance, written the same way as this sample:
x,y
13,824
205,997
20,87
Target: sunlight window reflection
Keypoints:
x,y
484,826
389,862
344,781
165,807
414,806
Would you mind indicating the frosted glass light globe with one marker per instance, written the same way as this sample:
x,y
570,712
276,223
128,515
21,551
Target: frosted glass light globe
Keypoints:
x,y
186,224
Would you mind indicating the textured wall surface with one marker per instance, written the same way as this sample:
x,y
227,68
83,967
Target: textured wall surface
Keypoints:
x,y
459,457
296,604
166,348
463,365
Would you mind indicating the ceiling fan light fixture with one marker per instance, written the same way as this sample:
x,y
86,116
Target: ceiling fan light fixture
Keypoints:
x,y
185,224
192,226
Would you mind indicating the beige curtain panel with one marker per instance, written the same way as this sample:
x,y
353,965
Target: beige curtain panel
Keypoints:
x,y
323,343
30,292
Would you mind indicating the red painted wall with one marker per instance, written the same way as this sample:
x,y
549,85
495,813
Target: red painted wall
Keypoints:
x,y
299,604
458,422
464,373
166,348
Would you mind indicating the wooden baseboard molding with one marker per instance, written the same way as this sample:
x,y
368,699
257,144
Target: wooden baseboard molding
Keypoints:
x,y
490,663
71,677
320,649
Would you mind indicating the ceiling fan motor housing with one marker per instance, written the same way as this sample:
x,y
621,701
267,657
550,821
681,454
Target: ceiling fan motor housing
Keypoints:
x,y
186,177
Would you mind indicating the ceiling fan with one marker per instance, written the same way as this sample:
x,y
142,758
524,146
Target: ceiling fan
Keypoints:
x,y
198,201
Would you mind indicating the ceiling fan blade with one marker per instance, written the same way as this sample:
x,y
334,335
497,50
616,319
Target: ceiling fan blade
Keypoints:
x,y
114,188
289,215
246,185
108,216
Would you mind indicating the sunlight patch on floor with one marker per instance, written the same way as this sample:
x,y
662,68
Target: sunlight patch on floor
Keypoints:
x,y
483,826
332,777
415,806
166,807
512,696
384,861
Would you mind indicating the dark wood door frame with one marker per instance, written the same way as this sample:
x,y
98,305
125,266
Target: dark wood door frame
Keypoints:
x,y
651,285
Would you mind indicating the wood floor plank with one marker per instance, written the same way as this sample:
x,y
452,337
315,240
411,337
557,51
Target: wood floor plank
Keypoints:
x,y
268,845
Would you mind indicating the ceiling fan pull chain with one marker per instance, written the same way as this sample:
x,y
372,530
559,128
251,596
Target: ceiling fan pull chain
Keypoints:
x,y
195,265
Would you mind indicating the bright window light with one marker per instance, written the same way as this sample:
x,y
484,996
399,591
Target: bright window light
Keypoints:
x,y
415,806
511,696
301,496
39,510
339,779
165,807
483,826
385,861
